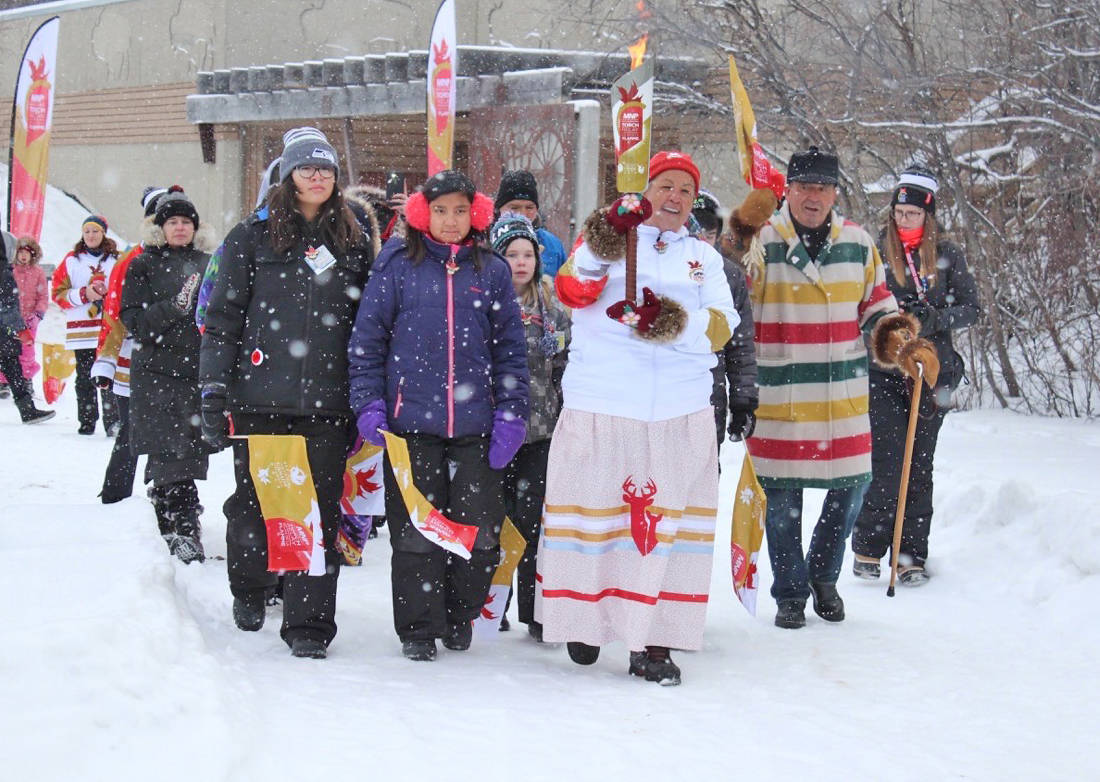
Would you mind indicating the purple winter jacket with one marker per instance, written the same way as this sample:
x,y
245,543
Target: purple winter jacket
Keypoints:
x,y
444,350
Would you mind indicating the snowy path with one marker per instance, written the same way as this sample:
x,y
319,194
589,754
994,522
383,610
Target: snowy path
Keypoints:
x,y
119,661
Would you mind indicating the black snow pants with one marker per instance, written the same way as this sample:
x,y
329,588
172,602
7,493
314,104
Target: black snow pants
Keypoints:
x,y
874,529
434,590
524,492
87,406
10,348
309,602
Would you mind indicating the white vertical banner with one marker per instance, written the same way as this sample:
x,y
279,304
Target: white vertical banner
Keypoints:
x,y
31,122
442,84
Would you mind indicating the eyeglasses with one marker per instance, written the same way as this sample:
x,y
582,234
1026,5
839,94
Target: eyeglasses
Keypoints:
x,y
908,215
309,171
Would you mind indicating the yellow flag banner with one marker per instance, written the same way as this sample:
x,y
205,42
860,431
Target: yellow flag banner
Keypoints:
x,y
512,546
429,522
58,365
279,465
755,166
750,505
364,494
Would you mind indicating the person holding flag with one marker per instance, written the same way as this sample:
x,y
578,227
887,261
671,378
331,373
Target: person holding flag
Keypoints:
x,y
547,328
632,481
439,357
274,354
817,290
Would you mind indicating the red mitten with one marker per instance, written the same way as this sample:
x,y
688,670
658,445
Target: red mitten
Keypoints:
x,y
638,316
628,211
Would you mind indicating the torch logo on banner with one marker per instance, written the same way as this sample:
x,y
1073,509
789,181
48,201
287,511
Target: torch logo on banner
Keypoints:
x,y
441,85
37,106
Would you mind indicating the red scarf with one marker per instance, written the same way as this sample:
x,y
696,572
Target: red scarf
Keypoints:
x,y
910,237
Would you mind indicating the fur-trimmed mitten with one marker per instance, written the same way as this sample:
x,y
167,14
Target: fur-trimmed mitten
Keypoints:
x,y
658,319
747,219
916,354
889,335
602,239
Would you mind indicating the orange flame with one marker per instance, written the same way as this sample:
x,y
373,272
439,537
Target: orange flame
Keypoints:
x,y
637,51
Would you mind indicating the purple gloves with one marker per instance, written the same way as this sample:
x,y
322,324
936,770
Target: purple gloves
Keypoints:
x,y
371,419
508,435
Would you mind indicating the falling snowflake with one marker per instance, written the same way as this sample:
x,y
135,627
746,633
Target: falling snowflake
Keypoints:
x,y
747,495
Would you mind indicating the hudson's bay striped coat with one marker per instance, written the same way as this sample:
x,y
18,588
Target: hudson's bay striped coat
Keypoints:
x,y
812,428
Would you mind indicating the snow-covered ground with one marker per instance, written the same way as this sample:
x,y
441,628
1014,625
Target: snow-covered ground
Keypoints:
x,y
120,663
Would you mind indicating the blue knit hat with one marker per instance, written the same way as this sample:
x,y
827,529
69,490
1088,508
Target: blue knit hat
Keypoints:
x,y
306,146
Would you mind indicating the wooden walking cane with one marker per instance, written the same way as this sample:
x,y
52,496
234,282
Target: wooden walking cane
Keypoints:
x,y
895,345
903,489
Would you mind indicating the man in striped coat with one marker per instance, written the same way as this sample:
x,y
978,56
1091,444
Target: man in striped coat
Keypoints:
x,y
819,289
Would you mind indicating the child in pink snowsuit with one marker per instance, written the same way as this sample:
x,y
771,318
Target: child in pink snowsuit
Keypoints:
x,y
33,297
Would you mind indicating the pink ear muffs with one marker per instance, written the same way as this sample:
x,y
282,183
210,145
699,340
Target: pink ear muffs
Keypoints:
x,y
481,212
416,212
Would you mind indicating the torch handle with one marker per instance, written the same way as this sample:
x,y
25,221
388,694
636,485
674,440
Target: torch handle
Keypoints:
x,y
632,265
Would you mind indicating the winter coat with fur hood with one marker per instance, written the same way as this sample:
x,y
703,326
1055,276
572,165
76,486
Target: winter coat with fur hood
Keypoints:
x,y
164,391
276,332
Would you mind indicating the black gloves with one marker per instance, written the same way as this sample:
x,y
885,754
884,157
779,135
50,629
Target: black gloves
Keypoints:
x,y
928,316
215,419
742,421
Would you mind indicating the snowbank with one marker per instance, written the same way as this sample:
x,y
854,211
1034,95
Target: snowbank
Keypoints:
x,y
122,664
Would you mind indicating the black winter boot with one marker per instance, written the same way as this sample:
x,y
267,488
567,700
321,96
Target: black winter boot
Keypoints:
x,y
182,503
459,636
655,665
31,414
248,612
419,651
582,654
827,602
166,523
308,647
791,614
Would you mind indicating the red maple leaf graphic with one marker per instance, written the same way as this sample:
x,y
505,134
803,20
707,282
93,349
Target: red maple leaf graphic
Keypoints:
x,y
485,612
38,69
441,52
630,95
363,482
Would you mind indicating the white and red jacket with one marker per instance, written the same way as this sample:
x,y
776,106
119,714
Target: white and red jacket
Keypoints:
x,y
115,347
70,291
612,371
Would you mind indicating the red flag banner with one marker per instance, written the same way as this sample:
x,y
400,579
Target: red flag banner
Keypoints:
x,y
31,121
442,85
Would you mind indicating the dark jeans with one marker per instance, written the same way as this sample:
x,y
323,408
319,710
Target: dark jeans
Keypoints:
x,y
874,529
524,492
118,480
309,602
791,571
434,590
87,407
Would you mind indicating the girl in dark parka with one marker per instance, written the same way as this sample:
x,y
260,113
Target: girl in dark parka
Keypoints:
x,y
928,276
274,355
